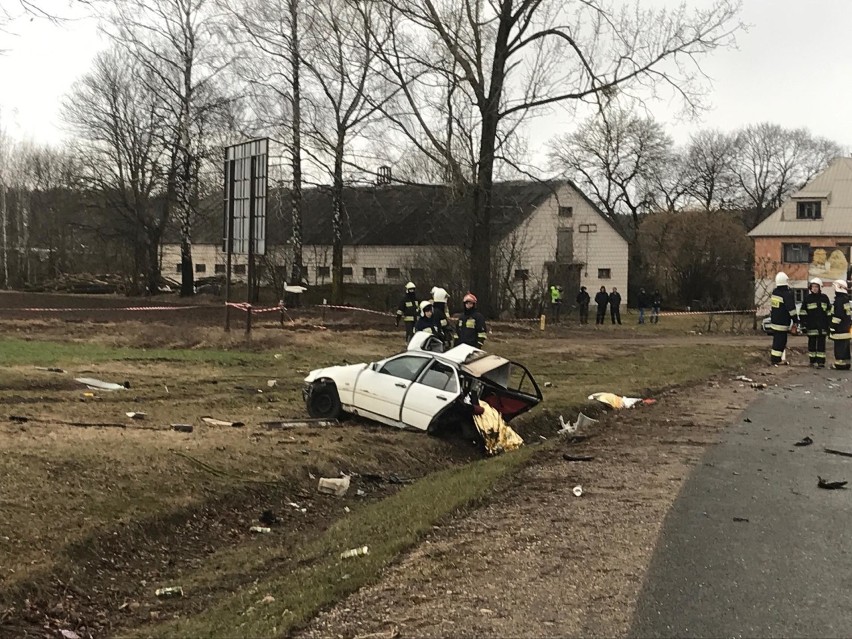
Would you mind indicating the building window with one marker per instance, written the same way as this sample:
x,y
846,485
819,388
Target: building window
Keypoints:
x,y
239,269
323,271
393,273
799,295
588,228
178,269
219,268
808,210
566,211
796,253
604,273
200,268
522,273
347,271
369,274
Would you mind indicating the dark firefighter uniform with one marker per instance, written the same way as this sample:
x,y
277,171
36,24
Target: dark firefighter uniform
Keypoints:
x,y
783,312
471,328
814,319
439,314
841,322
426,322
407,312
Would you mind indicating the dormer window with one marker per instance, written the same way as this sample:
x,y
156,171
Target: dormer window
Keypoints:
x,y
809,210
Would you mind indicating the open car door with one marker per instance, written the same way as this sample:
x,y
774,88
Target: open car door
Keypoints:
x,y
508,386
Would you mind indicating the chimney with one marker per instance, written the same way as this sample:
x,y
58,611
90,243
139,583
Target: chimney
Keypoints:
x,y
383,176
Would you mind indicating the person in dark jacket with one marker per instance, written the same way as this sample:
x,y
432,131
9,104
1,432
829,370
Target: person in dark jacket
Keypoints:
x,y
407,311
471,328
841,322
656,303
426,322
583,300
782,313
601,299
814,320
643,303
615,306
440,313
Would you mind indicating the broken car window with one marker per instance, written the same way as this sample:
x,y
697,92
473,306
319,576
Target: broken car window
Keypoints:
x,y
404,367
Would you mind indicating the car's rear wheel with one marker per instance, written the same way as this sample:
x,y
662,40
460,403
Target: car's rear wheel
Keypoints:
x,y
324,402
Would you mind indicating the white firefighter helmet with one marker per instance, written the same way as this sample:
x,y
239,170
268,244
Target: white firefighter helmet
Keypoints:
x,y
840,285
425,305
410,286
816,281
781,279
439,294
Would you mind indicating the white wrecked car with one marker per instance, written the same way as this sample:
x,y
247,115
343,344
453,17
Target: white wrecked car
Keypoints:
x,y
423,388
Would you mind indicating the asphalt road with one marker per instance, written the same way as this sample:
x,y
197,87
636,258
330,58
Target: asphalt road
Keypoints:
x,y
787,570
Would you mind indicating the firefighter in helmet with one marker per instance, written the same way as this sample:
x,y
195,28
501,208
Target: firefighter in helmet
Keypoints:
x,y
407,311
471,327
841,322
782,313
814,318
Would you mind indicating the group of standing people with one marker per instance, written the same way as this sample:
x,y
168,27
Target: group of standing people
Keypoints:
x,y
433,316
613,301
817,318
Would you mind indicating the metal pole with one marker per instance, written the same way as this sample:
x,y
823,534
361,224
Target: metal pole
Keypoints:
x,y
250,269
229,235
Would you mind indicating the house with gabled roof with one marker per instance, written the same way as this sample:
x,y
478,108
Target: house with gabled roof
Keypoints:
x,y
809,235
544,232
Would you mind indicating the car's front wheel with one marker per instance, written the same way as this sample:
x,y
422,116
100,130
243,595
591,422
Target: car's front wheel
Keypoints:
x,y
324,402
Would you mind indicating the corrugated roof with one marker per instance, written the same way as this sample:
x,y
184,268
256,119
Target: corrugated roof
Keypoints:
x,y
388,215
835,183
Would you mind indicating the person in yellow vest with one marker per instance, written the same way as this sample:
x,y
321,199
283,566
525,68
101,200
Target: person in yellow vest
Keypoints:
x,y
407,311
471,329
555,301
841,322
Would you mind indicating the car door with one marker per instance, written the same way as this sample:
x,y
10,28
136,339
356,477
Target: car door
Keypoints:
x,y
436,388
381,391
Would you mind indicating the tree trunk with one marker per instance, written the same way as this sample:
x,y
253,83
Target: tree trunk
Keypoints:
x,y
337,227
297,274
4,223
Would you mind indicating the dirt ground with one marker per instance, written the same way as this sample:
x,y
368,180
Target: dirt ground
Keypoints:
x,y
536,561
539,561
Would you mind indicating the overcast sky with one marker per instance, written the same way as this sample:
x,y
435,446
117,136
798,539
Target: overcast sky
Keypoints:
x,y
793,67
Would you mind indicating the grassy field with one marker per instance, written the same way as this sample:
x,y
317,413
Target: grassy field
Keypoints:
x,y
101,510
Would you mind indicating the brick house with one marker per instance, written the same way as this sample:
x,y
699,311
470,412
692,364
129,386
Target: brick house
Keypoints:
x,y
810,235
544,232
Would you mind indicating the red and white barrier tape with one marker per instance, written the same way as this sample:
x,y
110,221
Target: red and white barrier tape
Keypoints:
x,y
244,306
354,308
103,308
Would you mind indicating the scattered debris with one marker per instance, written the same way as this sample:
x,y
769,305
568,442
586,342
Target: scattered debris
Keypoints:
x,y
135,415
182,428
337,486
743,378
20,419
548,384
346,509
268,518
577,458
171,591
760,386
747,420
221,422
355,552
69,634
570,429
578,491
278,356
834,451
97,384
805,441
830,485
271,383
261,530
50,369
742,519
268,599
618,401
295,423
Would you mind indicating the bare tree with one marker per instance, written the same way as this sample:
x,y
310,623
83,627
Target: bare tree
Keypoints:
x,y
615,157
710,159
341,65
119,123
176,42
514,58
772,162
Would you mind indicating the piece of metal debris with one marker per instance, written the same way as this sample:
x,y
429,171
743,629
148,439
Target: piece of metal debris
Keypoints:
x,y
182,428
578,491
830,485
171,591
221,422
834,451
97,384
134,415
261,530
577,458
805,441
355,552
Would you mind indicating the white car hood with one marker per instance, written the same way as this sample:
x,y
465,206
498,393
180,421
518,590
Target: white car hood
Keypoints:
x,y
333,371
